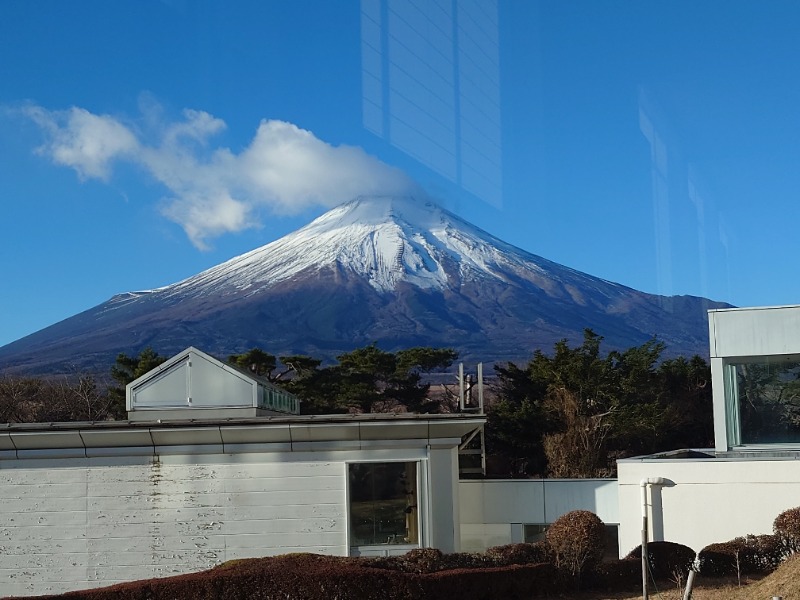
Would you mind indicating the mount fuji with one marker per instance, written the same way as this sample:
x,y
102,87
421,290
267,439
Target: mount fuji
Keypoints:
x,y
397,271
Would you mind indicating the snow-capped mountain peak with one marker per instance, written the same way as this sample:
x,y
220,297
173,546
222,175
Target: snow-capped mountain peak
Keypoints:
x,y
384,239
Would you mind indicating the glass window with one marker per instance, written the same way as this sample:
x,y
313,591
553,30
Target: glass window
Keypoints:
x,y
763,399
534,532
383,503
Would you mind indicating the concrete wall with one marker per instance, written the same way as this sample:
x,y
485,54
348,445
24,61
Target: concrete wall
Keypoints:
x,y
493,511
77,523
712,500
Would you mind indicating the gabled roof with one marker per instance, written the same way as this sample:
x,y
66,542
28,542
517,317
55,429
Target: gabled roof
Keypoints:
x,y
193,379
182,356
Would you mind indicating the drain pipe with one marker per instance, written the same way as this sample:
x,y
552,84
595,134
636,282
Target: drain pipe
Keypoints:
x,y
643,488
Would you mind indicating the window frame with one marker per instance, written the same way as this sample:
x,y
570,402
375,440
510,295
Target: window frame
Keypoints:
x,y
421,474
732,401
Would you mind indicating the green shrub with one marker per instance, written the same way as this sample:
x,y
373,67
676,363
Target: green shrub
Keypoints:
x,y
577,540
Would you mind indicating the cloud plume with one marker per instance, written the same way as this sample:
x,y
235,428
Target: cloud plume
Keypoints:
x,y
213,191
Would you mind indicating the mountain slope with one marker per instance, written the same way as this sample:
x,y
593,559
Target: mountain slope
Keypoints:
x,y
397,271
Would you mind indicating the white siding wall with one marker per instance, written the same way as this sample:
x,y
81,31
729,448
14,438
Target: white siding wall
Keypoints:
x,y
79,523
494,510
711,501
754,331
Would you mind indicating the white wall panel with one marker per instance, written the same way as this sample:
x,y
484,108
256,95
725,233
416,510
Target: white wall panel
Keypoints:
x,y
479,537
87,522
75,523
710,501
489,507
754,331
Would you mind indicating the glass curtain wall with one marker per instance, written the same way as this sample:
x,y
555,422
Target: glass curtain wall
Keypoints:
x,y
763,401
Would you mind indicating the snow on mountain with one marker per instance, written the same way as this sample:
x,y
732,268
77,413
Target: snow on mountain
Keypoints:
x,y
385,240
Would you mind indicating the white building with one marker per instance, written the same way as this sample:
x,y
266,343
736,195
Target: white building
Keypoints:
x,y
215,464
753,473
206,470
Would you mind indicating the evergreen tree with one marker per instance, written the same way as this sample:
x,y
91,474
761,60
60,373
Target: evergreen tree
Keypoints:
x,y
574,413
369,379
127,369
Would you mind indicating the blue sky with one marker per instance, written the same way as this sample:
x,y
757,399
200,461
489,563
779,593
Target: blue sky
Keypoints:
x,y
652,144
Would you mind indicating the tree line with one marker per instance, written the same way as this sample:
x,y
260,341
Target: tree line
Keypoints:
x,y
570,413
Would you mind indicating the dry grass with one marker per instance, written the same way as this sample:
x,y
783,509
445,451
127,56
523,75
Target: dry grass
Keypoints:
x,y
715,589
785,582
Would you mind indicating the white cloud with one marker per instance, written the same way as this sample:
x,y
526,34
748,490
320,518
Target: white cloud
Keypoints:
x,y
295,169
82,140
208,215
214,191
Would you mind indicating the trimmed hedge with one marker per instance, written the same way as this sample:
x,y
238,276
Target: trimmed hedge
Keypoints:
x,y
521,554
569,558
616,575
743,556
665,559
577,540
317,577
513,582
787,527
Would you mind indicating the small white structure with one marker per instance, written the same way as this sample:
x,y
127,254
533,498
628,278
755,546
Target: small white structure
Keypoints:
x,y
504,511
212,389
753,473
196,477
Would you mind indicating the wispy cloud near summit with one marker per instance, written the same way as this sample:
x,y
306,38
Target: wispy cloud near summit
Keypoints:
x,y
213,190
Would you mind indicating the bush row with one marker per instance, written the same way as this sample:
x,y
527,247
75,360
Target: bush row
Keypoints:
x,y
567,559
316,577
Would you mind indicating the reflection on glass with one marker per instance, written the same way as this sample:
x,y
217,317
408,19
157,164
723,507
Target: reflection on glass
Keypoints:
x,y
767,395
383,503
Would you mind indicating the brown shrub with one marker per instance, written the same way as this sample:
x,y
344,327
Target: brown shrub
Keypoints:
x,y
742,556
787,526
514,582
666,559
423,560
577,540
316,577
521,554
469,560
616,575
762,553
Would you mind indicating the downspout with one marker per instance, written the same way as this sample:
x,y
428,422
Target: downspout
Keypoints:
x,y
643,488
